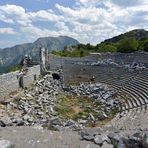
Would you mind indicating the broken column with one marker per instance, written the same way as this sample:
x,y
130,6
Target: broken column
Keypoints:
x,y
44,60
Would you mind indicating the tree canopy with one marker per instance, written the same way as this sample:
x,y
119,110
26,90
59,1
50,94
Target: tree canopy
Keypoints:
x,y
125,45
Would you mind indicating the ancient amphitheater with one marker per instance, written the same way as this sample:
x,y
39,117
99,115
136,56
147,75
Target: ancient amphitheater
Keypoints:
x,y
127,75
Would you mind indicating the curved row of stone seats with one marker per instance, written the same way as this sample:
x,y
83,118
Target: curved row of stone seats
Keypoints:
x,y
126,94
137,115
124,103
101,73
119,83
108,80
128,110
140,83
142,80
135,95
124,118
117,79
139,92
119,117
134,98
130,102
138,87
135,118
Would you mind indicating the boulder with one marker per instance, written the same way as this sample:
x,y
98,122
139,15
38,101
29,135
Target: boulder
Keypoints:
x,y
100,139
6,121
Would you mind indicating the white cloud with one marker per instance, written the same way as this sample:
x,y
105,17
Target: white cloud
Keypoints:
x,y
9,31
44,15
61,26
129,3
86,15
88,21
14,14
88,2
17,14
35,32
94,23
121,3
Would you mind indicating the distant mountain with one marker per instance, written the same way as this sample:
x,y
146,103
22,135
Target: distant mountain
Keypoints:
x,y
138,34
13,55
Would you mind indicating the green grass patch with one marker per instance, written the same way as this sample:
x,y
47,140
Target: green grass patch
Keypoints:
x,y
76,107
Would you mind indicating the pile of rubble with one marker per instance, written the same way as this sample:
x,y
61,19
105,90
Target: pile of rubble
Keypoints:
x,y
99,92
135,66
114,138
105,62
36,106
32,106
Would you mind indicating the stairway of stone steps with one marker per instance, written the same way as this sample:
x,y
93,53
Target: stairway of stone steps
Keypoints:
x,y
135,96
134,99
127,101
119,79
133,119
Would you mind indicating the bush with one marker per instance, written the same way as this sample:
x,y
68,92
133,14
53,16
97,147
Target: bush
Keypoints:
x,y
128,45
15,68
145,45
106,48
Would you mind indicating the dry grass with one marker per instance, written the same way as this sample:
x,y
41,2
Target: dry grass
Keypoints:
x,y
74,107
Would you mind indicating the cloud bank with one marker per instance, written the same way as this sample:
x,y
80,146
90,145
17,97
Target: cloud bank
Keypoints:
x,y
87,21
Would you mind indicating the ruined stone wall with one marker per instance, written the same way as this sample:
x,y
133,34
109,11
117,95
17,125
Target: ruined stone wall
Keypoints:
x,y
32,74
120,58
81,69
10,82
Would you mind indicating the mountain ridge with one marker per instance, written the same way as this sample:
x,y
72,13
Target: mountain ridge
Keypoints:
x,y
138,34
12,56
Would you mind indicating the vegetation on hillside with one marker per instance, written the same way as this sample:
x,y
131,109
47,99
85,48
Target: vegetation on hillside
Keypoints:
x,y
15,68
76,51
126,45
136,40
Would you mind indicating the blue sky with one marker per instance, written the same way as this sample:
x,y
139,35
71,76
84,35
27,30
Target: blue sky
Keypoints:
x,y
88,21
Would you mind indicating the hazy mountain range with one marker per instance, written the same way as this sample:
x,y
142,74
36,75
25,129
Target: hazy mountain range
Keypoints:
x,y
12,56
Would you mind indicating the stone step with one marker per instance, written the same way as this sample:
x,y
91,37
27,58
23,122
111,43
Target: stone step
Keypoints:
x,y
127,120
140,87
135,118
137,93
127,102
119,117
130,96
142,80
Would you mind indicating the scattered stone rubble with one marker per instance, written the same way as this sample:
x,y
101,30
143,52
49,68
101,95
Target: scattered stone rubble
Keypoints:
x,y
114,138
105,62
131,67
36,105
99,92
135,66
